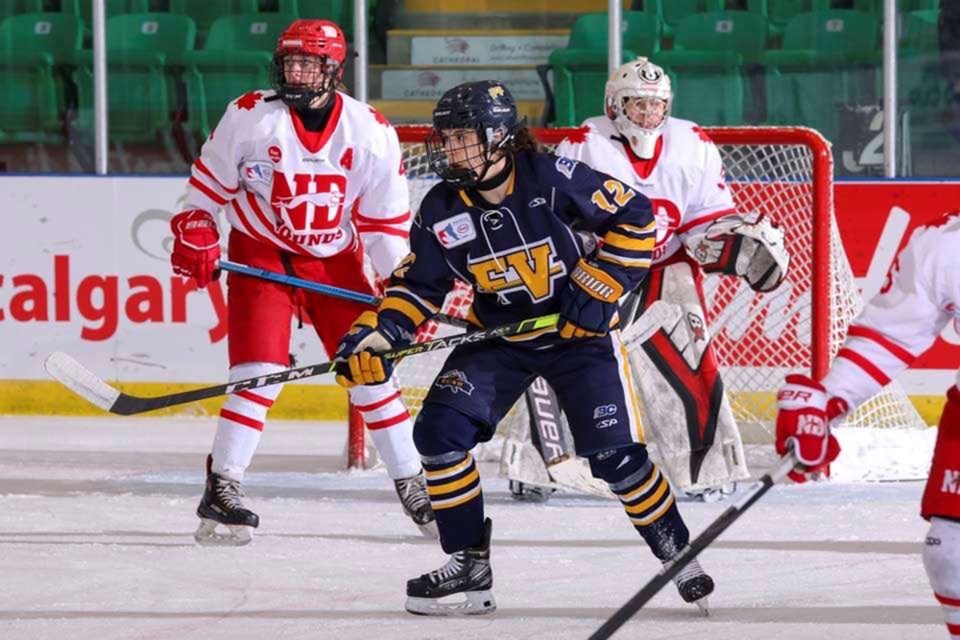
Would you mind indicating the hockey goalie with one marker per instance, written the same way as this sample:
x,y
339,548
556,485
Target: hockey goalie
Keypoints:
x,y
675,164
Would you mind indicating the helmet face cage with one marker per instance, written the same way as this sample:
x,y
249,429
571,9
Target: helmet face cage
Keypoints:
x,y
300,78
465,162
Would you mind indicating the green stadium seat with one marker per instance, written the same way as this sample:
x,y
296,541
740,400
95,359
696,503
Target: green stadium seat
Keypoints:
x,y
676,10
919,33
14,7
828,58
708,57
145,52
34,49
235,59
780,12
580,70
84,8
205,12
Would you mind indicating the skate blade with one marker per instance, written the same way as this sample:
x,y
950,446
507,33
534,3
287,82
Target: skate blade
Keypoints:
x,y
476,603
429,530
208,536
704,605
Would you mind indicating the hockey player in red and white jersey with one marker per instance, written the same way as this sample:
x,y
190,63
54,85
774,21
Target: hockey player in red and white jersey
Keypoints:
x,y
312,182
675,164
921,296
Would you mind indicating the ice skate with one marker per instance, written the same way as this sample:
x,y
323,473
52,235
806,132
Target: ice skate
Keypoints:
x,y
695,586
463,586
222,504
416,503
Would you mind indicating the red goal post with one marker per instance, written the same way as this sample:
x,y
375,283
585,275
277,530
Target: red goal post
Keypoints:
x,y
787,174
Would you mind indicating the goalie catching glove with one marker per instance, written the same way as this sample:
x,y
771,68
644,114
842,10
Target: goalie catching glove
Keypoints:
x,y
752,248
803,424
588,306
360,348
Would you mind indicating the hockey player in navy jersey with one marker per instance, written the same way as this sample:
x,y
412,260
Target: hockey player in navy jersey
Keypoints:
x,y
522,228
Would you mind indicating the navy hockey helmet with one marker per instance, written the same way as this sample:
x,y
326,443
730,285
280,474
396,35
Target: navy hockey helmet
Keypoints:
x,y
485,108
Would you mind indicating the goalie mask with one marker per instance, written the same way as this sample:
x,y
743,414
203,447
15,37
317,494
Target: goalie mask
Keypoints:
x,y
308,63
638,98
474,126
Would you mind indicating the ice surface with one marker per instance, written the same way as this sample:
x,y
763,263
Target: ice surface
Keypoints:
x,y
96,525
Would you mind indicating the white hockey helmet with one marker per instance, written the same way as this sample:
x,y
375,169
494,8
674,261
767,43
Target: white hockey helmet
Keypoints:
x,y
644,122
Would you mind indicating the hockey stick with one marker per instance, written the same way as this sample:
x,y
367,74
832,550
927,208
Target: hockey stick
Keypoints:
x,y
95,390
317,287
704,540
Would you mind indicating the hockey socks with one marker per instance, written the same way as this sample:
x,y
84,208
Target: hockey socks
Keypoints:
x,y
453,483
646,497
390,427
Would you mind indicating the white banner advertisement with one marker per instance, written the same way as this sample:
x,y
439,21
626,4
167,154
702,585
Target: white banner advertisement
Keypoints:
x,y
86,270
504,49
430,84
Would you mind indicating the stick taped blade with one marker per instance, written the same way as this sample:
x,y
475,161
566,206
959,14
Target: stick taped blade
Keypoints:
x,y
80,380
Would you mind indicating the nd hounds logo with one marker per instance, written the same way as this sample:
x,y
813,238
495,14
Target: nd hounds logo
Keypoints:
x,y
456,381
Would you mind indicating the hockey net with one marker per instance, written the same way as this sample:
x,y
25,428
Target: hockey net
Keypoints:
x,y
785,173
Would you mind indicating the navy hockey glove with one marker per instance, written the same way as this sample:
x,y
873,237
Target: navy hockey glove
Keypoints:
x,y
589,303
360,347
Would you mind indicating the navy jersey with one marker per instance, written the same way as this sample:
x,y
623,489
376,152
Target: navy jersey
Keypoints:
x,y
518,255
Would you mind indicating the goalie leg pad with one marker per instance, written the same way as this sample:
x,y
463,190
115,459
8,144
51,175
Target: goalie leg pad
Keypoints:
x,y
941,559
646,497
690,424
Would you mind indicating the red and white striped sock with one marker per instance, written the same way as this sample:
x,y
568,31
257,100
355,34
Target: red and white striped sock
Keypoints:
x,y
390,427
941,559
241,421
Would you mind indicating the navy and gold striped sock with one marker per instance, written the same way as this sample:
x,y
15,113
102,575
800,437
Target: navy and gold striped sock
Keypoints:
x,y
453,484
651,507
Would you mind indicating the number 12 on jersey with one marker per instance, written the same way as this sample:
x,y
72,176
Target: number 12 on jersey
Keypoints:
x,y
621,196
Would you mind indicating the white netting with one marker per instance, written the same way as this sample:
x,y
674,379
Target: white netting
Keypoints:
x,y
758,338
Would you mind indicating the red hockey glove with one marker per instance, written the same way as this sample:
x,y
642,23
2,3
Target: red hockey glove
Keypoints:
x,y
196,246
803,424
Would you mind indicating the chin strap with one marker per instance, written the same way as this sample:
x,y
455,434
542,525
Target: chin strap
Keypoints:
x,y
493,182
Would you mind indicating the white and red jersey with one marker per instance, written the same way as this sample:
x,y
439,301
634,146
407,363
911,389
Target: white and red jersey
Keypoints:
x,y
305,192
921,295
684,180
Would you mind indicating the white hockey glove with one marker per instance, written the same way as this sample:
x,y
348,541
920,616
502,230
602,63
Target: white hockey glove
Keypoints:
x,y
747,246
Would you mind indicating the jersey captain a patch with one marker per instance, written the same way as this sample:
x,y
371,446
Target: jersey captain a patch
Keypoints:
x,y
455,231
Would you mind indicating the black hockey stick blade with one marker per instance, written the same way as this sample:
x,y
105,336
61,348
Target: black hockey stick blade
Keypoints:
x,y
701,542
95,390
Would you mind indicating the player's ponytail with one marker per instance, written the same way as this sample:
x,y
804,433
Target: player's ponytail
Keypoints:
x,y
524,140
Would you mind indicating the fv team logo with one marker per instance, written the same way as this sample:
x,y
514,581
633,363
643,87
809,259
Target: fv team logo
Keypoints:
x,y
456,381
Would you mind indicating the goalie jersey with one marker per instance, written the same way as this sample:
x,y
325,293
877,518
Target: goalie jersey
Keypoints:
x,y
310,193
920,297
684,180
517,255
